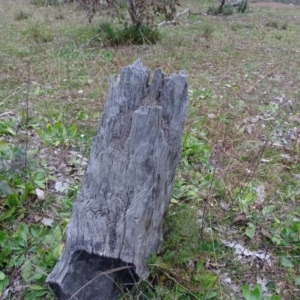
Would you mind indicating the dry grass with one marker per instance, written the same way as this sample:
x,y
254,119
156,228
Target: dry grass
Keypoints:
x,y
244,105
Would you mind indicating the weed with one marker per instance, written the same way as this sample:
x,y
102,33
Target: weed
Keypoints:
x,y
273,24
235,27
58,134
256,293
45,2
243,95
218,10
21,15
207,31
284,26
129,35
39,33
227,11
214,10
59,16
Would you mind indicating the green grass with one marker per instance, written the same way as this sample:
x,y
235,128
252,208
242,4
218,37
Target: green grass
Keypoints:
x,y
128,35
21,15
240,153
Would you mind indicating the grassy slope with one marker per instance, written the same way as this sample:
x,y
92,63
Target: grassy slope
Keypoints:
x,y
241,133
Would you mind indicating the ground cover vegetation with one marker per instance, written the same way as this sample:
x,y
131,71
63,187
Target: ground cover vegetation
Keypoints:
x,y
233,226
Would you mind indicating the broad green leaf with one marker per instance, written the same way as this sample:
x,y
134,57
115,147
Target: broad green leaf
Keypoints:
x,y
26,271
200,265
19,261
250,231
296,227
73,130
58,251
30,294
57,234
40,183
36,277
48,131
23,231
12,200
20,241
285,232
297,281
2,275
11,131
286,262
39,180
211,295
3,284
276,239
5,189
256,294
7,214
268,209
36,287
3,145
249,198
275,297
246,292
3,238
58,126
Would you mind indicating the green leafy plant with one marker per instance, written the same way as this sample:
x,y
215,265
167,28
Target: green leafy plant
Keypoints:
x,y
256,293
21,15
33,250
207,32
58,134
7,127
214,10
45,2
273,24
3,282
242,93
39,33
289,235
17,183
195,151
203,93
227,11
129,35
252,294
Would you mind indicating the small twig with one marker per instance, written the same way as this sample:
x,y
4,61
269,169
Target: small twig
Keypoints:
x,y
102,273
211,182
196,14
27,122
85,45
183,287
174,21
259,80
182,13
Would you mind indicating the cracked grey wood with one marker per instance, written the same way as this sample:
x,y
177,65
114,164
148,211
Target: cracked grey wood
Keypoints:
x,y
118,215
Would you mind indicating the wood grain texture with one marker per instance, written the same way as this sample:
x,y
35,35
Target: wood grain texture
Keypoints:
x,y
118,215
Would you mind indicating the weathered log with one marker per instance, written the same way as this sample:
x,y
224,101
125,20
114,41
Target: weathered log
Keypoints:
x,y
118,215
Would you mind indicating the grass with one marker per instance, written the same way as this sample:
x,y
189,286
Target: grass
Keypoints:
x,y
21,15
128,35
238,179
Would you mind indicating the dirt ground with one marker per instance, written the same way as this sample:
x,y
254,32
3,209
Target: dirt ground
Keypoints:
x,y
274,5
